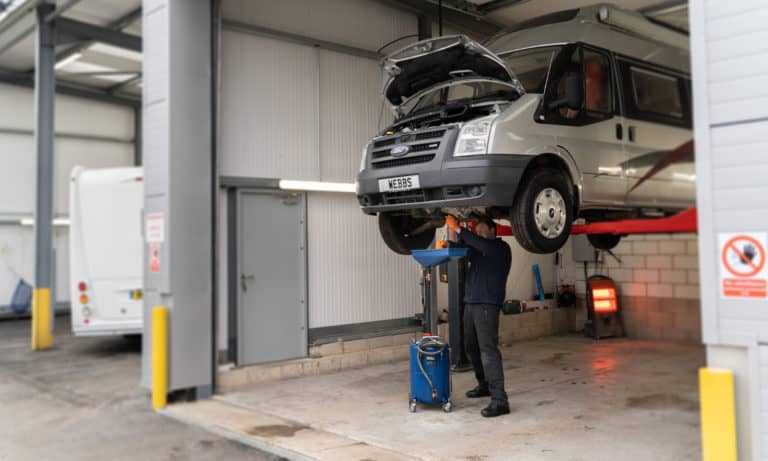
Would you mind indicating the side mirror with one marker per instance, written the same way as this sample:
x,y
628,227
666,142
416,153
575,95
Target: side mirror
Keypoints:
x,y
574,94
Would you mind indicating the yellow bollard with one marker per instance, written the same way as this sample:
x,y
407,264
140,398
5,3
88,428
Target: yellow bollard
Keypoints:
x,y
159,357
718,415
42,338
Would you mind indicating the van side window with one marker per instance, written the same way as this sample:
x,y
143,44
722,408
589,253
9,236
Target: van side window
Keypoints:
x,y
597,82
656,93
595,68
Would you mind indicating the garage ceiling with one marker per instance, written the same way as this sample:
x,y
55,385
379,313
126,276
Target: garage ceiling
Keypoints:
x,y
90,64
116,71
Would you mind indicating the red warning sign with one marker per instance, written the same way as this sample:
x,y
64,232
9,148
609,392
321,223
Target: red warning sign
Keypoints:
x,y
154,257
743,271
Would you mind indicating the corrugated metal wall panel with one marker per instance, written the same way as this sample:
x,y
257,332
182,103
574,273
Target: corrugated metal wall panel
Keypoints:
x,y
350,107
366,24
269,108
353,276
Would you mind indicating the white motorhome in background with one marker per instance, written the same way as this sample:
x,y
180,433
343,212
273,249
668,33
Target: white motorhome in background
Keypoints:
x,y
106,250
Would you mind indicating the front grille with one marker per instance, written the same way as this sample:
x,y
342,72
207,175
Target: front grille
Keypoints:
x,y
425,147
384,142
403,161
418,150
408,196
429,135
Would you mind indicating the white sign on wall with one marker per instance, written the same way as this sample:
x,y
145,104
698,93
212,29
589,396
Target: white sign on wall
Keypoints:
x,y
743,272
155,230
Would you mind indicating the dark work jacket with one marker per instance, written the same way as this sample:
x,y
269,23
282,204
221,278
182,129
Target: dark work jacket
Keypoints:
x,y
489,263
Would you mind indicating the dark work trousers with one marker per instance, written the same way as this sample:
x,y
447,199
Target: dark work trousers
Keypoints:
x,y
481,340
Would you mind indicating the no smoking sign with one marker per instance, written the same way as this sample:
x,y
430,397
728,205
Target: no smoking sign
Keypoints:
x,y
742,265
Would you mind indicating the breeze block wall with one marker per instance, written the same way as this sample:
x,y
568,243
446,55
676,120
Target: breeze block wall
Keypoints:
x,y
658,283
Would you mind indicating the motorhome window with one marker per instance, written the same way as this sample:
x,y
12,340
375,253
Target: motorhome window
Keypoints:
x,y
468,91
596,71
656,93
530,66
597,82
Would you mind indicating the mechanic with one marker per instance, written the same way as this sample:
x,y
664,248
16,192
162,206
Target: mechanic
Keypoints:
x,y
489,261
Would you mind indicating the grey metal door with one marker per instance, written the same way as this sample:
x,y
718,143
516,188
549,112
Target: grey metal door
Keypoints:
x,y
272,320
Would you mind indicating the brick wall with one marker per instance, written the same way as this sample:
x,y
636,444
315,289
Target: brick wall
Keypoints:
x,y
658,282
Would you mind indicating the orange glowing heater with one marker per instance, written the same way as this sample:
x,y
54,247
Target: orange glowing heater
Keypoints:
x,y
603,296
603,309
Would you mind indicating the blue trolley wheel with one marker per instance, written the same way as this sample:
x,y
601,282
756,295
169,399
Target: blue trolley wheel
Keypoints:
x,y
447,406
412,406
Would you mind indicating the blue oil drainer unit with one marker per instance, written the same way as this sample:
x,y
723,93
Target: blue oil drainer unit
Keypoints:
x,y
430,373
431,355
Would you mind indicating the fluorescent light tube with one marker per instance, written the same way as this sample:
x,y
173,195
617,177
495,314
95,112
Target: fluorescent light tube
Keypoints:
x,y
68,60
317,186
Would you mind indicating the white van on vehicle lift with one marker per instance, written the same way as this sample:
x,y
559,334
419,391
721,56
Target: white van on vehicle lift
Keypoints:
x,y
105,251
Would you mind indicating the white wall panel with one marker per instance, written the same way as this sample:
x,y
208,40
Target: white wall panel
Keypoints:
x,y
366,24
350,108
353,276
269,108
17,174
73,115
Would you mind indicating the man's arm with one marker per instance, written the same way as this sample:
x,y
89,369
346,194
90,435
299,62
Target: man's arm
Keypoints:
x,y
473,241
478,243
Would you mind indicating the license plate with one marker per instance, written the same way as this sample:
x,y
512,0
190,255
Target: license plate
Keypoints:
x,y
399,184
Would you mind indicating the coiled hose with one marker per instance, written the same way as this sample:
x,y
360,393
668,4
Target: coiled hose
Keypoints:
x,y
438,346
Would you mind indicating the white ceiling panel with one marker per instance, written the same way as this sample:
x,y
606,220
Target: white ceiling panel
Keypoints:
x,y
101,12
525,10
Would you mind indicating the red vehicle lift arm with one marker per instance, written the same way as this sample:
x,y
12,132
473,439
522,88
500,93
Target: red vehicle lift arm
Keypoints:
x,y
684,221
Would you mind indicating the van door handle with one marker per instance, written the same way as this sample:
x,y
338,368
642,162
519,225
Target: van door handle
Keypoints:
x,y
244,278
631,134
619,131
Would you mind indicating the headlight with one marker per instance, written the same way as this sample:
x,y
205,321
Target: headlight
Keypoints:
x,y
362,158
473,138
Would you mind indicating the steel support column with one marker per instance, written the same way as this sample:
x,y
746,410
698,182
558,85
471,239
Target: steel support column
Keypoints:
x,y
178,202
45,90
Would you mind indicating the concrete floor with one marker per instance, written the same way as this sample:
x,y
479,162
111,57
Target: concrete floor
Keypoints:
x,y
82,401
571,398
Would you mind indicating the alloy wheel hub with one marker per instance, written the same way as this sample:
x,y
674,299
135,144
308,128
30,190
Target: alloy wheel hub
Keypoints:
x,y
549,213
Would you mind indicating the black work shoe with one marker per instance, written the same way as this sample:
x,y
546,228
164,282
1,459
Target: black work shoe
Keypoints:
x,y
495,409
478,392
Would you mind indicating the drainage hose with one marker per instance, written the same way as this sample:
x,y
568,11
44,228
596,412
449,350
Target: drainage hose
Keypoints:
x,y
438,346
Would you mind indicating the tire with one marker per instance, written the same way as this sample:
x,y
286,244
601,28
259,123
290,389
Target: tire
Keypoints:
x,y
395,230
548,191
604,241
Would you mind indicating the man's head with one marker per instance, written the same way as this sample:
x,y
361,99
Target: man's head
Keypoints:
x,y
486,228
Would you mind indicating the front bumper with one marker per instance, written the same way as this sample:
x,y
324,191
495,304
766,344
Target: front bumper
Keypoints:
x,y
479,181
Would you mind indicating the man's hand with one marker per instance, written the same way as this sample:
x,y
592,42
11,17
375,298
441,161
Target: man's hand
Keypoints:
x,y
450,221
441,244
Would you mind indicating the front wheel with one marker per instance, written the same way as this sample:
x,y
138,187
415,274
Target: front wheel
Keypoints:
x,y
403,233
543,211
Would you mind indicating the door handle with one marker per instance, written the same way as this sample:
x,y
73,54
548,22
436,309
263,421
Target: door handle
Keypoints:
x,y
631,134
244,278
619,131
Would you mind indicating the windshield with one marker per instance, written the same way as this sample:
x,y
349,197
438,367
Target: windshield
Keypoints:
x,y
530,66
473,90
